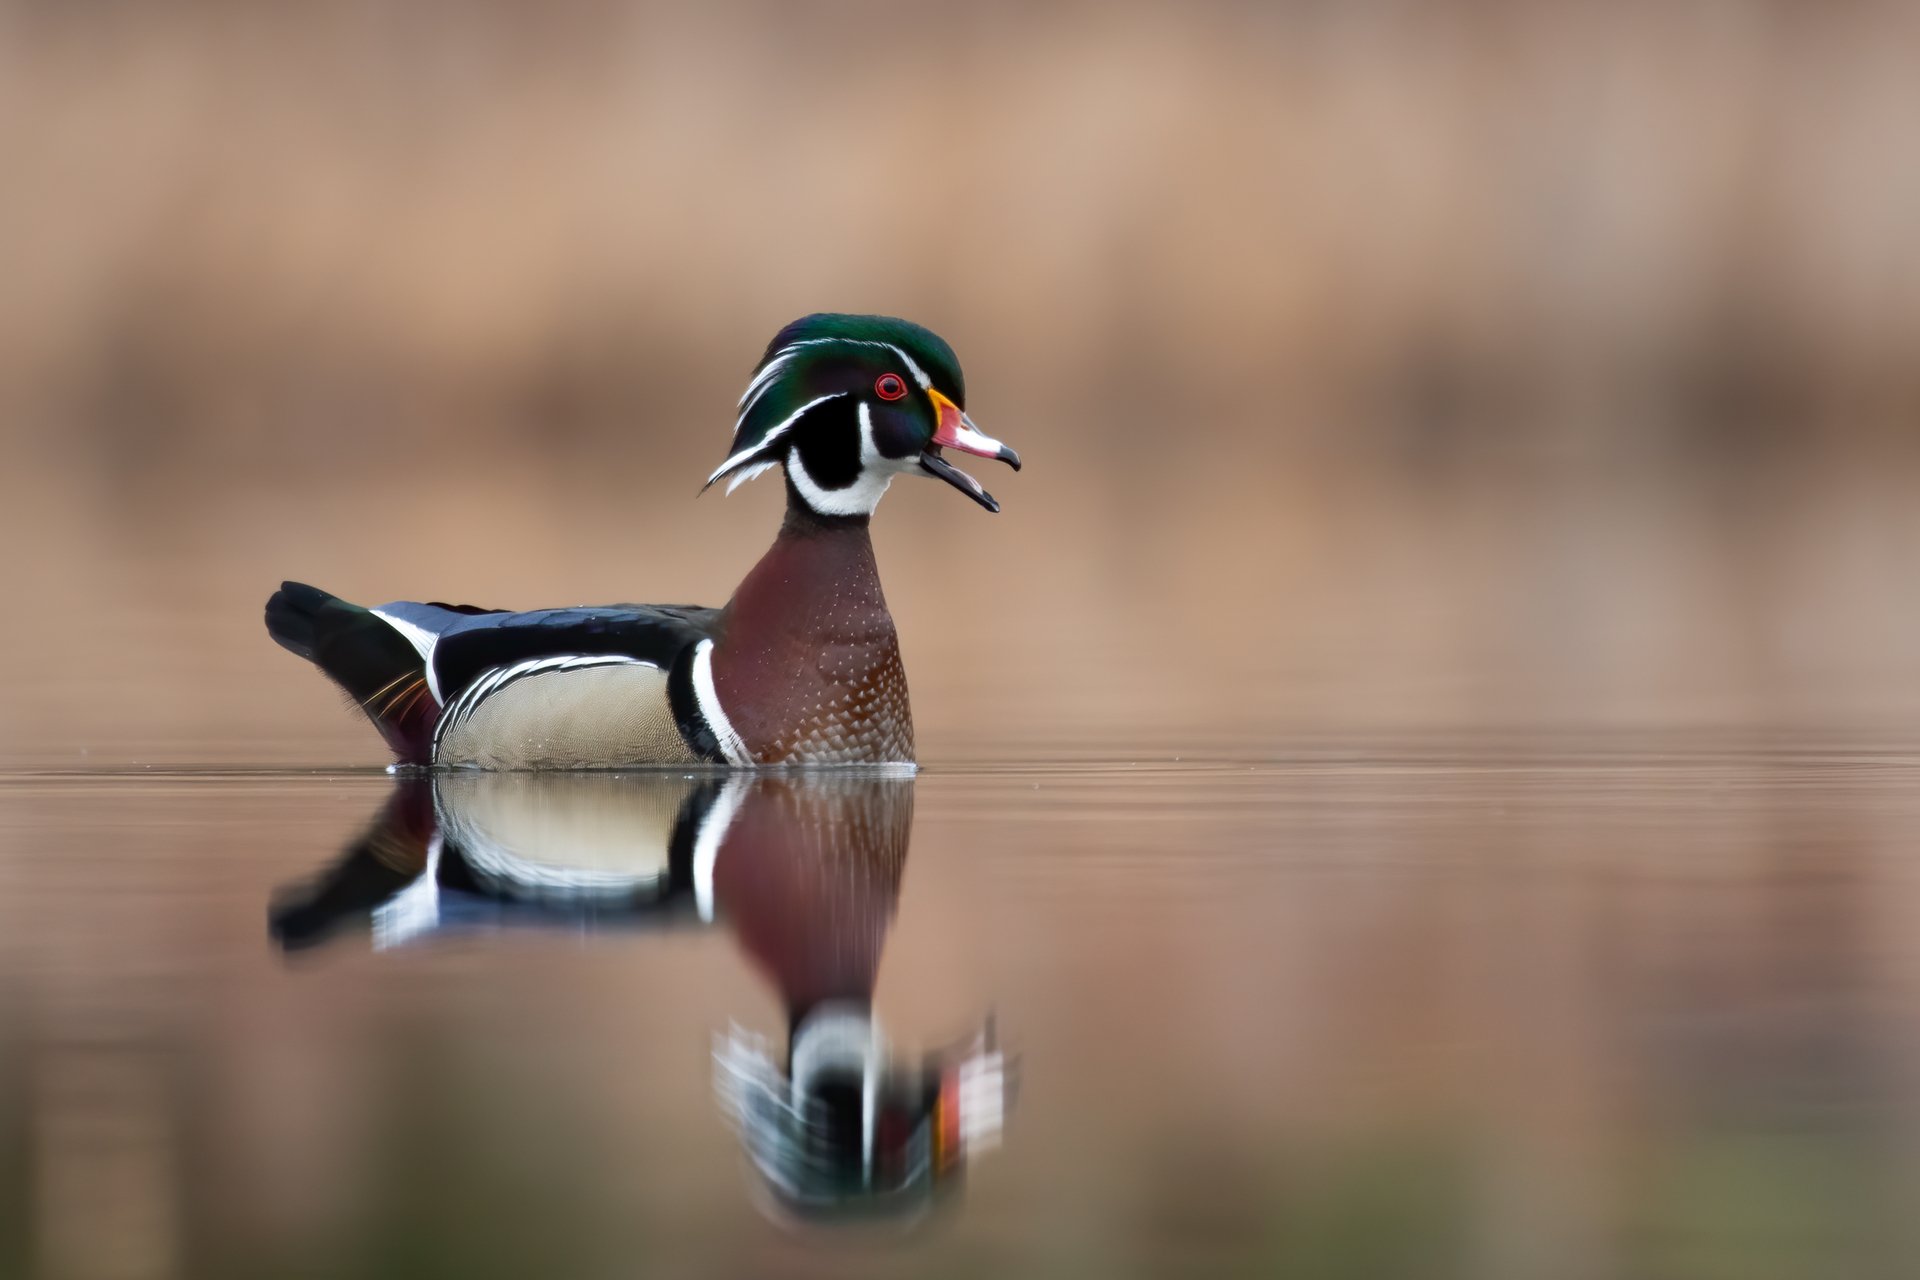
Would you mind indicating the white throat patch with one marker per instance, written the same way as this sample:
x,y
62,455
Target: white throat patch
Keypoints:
x,y
858,498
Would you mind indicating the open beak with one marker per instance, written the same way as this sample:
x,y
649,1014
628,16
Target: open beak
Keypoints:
x,y
956,431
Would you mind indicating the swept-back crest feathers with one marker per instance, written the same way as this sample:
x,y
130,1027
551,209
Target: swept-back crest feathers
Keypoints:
x,y
804,367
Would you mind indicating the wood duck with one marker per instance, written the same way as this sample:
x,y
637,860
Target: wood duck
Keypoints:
x,y
802,665
803,868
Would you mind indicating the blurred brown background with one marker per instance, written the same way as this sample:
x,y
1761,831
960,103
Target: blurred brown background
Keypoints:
x,y
1380,367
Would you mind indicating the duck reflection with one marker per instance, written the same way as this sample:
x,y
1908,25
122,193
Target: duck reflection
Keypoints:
x,y
803,868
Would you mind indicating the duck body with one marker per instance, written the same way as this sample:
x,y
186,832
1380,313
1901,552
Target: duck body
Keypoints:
x,y
801,667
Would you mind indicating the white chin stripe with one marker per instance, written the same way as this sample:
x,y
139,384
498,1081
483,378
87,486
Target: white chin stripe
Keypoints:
x,y
858,498
708,699
422,641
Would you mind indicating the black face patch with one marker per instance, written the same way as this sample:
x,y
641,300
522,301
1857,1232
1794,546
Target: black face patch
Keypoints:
x,y
904,429
828,440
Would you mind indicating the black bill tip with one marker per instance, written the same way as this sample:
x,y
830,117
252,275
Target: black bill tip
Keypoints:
x,y
935,465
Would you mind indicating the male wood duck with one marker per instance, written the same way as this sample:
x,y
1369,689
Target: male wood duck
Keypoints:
x,y
802,665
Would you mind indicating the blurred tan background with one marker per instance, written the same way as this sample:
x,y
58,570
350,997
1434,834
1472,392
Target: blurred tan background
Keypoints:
x,y
1380,368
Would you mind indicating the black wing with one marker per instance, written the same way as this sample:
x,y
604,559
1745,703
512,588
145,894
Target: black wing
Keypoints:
x,y
656,633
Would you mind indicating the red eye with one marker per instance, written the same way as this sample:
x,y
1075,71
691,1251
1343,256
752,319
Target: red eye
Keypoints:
x,y
888,386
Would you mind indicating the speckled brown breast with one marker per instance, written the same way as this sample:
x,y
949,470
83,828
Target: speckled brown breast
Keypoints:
x,y
853,710
808,664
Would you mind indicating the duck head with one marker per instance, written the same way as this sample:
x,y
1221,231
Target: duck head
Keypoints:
x,y
846,403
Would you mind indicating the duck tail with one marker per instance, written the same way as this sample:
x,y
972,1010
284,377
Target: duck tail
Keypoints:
x,y
371,660
392,853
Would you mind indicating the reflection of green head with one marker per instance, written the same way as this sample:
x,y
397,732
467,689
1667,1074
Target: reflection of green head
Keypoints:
x,y
852,1134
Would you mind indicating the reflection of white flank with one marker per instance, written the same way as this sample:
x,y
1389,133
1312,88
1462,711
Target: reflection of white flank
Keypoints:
x,y
562,838
423,642
501,869
713,833
413,911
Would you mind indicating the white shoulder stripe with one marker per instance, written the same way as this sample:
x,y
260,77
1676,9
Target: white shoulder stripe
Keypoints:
x,y
706,845
423,642
711,711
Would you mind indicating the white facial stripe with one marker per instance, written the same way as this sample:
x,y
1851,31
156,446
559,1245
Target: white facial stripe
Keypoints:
x,y
919,375
745,474
771,436
747,402
708,699
422,641
764,379
780,357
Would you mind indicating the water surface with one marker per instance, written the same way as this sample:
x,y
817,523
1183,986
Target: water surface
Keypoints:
x,y
1494,1007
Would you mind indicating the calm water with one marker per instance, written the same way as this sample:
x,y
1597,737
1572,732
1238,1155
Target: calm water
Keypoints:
x,y
1492,1009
